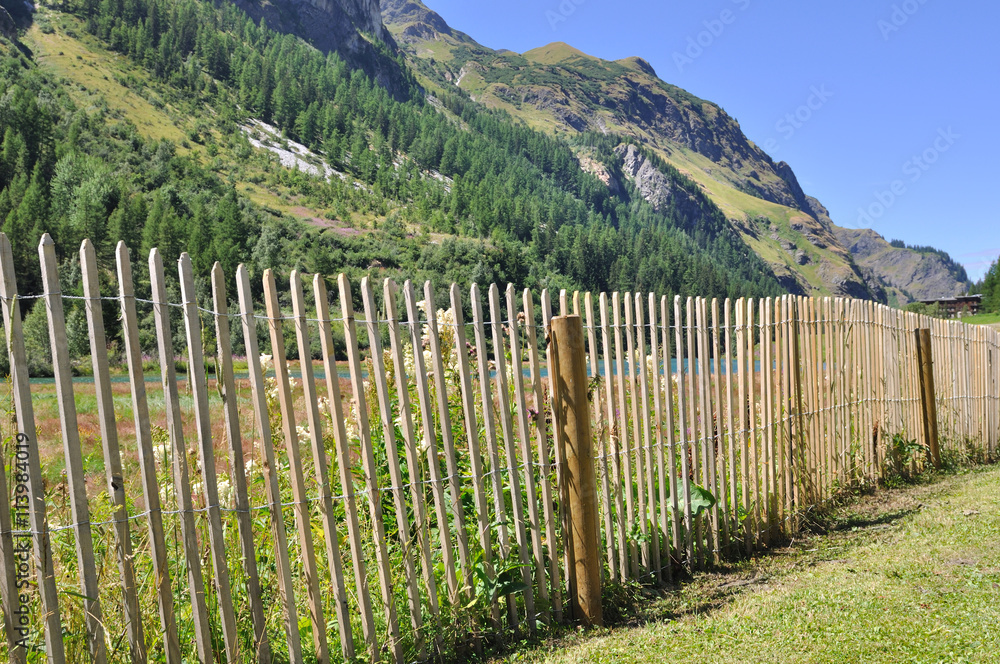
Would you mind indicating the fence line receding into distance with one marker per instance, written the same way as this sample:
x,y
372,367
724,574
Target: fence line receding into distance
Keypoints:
x,y
409,498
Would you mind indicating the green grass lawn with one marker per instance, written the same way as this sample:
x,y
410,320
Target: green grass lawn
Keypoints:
x,y
911,575
983,319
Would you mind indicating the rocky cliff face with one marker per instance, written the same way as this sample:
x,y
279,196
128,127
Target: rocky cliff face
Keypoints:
x,y
7,27
15,14
346,27
366,15
906,274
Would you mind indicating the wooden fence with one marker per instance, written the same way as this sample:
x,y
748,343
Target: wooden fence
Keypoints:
x,y
398,504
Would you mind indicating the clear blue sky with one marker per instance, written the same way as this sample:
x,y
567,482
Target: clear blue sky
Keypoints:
x,y
901,75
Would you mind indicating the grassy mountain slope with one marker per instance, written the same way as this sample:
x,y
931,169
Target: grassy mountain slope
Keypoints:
x,y
558,89
167,126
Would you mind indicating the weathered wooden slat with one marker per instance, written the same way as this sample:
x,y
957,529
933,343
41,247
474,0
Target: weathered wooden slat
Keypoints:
x,y
178,454
147,467
513,474
544,456
658,498
331,536
691,385
611,453
27,446
112,451
10,600
673,523
768,492
645,451
344,468
623,450
471,431
734,499
593,358
244,524
437,480
755,413
783,415
387,418
636,463
182,488
527,456
721,464
603,434
286,588
300,494
709,466
370,469
802,461
75,479
744,376
685,435
490,431
206,449
843,385
447,438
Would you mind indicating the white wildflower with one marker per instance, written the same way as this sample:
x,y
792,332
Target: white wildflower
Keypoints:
x,y
161,451
166,494
408,361
271,389
226,493
265,362
303,432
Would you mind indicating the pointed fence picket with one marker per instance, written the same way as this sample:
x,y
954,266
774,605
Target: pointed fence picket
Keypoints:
x,y
431,469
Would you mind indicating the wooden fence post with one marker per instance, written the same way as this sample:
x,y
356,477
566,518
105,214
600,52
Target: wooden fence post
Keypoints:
x,y
573,411
925,359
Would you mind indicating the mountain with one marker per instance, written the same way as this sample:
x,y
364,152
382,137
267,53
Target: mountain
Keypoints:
x,y
908,273
196,126
352,29
561,90
294,134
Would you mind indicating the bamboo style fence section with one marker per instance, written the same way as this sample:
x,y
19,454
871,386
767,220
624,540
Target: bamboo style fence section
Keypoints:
x,y
411,497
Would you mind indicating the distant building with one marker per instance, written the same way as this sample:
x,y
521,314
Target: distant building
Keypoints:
x,y
958,307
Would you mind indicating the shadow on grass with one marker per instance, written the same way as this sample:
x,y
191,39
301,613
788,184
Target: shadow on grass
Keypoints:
x,y
702,593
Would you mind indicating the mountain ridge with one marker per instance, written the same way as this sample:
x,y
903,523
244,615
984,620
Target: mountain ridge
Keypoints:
x,y
606,205
564,91
906,272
